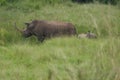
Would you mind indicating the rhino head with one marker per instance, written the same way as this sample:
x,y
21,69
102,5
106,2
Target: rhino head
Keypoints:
x,y
27,32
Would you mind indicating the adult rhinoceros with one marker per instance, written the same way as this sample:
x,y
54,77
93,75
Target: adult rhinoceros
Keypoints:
x,y
46,29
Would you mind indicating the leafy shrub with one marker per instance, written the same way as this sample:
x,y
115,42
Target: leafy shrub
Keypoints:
x,y
108,1
2,2
82,1
101,1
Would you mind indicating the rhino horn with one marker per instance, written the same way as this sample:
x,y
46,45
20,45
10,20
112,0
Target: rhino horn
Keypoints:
x,y
18,28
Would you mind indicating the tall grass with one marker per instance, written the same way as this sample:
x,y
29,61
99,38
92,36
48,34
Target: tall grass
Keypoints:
x,y
100,19
63,58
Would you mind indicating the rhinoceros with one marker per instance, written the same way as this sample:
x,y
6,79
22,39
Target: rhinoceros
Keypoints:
x,y
46,29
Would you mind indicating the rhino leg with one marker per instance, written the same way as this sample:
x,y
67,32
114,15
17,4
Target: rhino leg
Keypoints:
x,y
41,39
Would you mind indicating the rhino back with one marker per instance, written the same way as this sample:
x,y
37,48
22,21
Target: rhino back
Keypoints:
x,y
53,28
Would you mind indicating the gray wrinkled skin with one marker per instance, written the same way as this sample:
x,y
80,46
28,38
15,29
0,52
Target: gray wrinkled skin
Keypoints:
x,y
47,29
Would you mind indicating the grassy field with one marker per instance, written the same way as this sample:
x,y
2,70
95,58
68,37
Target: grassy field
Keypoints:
x,y
63,58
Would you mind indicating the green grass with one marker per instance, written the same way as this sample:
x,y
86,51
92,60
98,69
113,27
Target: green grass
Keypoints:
x,y
101,19
63,58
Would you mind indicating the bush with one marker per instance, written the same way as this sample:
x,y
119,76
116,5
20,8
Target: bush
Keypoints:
x,y
2,2
101,1
114,2
108,1
83,1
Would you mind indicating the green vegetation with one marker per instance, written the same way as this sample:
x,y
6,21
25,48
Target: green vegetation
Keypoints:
x,y
113,2
63,58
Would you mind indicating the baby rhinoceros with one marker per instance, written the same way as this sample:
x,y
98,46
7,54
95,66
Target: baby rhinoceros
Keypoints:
x,y
89,35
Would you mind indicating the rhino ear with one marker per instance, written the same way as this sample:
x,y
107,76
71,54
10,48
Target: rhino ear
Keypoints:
x,y
27,24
